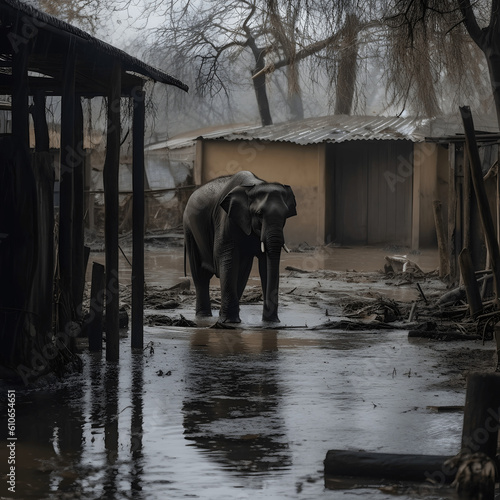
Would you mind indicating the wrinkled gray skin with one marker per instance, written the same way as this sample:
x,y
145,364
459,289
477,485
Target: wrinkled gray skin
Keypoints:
x,y
226,221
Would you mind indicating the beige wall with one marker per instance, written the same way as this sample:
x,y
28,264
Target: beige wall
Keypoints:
x,y
302,167
428,161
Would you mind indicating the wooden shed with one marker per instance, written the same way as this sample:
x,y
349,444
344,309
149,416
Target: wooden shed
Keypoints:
x,y
42,56
358,180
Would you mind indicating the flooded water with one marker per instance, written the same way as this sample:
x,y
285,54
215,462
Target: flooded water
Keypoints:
x,y
233,414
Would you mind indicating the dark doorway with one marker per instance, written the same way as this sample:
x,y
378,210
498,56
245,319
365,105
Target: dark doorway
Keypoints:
x,y
369,189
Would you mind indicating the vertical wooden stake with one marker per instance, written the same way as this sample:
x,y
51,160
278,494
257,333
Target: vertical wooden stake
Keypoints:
x,y
138,221
471,286
482,199
452,210
111,169
97,295
441,239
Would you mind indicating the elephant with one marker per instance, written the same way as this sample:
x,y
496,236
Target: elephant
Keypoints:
x,y
227,222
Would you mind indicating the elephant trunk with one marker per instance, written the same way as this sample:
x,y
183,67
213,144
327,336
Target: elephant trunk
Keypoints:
x,y
273,241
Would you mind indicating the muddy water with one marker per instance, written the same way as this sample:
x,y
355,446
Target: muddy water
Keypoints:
x,y
232,415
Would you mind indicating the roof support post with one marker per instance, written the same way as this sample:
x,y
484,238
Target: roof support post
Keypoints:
x,y
78,265
111,169
138,220
65,313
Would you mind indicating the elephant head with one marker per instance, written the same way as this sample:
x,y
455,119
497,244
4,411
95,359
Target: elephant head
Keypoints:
x,y
262,210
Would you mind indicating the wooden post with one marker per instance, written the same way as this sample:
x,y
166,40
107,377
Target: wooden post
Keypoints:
x,y
78,267
467,196
452,209
43,171
441,239
138,221
482,414
66,194
482,200
97,295
111,169
471,286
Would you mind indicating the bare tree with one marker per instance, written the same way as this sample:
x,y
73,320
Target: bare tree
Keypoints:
x,y
435,45
83,13
220,38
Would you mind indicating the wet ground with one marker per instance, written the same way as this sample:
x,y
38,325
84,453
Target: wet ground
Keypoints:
x,y
246,413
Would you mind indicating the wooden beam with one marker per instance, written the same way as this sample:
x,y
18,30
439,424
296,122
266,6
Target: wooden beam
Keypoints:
x,y
110,174
481,197
138,221
66,195
97,294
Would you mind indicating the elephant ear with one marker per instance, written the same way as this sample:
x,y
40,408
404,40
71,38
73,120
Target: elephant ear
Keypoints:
x,y
290,201
236,205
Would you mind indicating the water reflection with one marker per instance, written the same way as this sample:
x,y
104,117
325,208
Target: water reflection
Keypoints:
x,y
232,405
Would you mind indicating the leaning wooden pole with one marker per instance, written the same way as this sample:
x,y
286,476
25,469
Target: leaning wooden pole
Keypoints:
x,y
470,282
444,268
138,221
482,200
111,169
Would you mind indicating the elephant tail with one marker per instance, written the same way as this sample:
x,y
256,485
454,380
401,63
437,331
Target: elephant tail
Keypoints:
x,y
185,252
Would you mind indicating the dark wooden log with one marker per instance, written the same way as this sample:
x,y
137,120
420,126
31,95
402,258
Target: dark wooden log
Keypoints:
x,y
138,221
97,297
441,240
481,197
66,310
452,210
471,286
481,416
111,170
404,467
78,255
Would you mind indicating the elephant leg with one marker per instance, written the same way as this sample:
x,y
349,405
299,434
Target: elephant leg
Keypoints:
x,y
201,277
230,304
244,273
263,275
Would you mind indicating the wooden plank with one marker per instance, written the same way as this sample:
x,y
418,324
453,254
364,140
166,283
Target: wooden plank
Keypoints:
x,y
137,335
110,175
482,200
404,467
471,286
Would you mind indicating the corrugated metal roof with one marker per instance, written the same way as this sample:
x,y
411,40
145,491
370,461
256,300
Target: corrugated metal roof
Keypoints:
x,y
336,128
